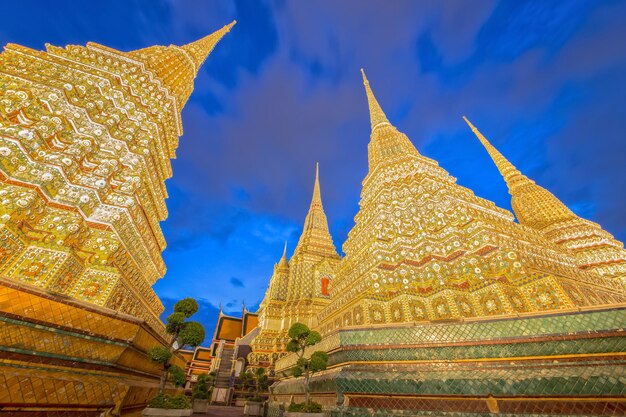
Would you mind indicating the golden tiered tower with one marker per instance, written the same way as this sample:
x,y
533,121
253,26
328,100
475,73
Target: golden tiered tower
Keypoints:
x,y
298,288
86,138
591,247
444,305
424,248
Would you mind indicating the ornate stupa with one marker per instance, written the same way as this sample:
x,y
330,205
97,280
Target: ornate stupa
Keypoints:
x,y
592,247
444,305
86,138
298,288
426,248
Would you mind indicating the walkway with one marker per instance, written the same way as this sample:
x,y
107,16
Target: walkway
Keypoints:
x,y
221,411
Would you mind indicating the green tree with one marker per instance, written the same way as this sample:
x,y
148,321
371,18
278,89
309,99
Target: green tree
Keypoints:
x,y
260,380
204,386
183,333
301,338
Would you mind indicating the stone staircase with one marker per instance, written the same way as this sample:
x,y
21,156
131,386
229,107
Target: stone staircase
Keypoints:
x,y
222,379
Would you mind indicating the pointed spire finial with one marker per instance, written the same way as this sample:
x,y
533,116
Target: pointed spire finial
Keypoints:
x,y
177,66
315,224
317,195
283,260
200,49
533,205
508,171
377,116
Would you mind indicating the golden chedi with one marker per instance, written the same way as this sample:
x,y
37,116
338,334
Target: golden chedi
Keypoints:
x,y
298,288
444,305
86,138
591,247
424,248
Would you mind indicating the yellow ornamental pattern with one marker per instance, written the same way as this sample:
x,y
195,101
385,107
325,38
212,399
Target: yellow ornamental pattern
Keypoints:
x,y
86,138
424,248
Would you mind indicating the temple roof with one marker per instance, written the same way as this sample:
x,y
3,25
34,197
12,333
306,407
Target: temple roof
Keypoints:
x,y
177,66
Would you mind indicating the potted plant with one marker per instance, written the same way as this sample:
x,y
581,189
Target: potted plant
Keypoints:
x,y
301,338
202,392
183,333
254,404
242,389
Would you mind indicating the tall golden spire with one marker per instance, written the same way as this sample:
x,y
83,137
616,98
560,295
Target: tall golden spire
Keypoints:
x,y
533,205
200,49
177,66
315,232
283,260
511,175
386,141
377,115
317,195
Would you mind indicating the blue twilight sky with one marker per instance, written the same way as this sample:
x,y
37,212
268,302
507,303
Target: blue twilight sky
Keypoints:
x,y
544,80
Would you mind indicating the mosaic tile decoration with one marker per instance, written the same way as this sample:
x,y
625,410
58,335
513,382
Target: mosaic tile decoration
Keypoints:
x,y
358,344
57,354
542,364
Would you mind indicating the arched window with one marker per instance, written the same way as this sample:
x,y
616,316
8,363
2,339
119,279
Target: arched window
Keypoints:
x,y
325,282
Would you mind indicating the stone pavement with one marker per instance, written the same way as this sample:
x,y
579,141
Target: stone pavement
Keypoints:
x,y
221,411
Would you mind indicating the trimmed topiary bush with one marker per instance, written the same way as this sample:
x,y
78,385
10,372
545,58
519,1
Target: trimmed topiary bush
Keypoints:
x,y
301,338
204,386
170,401
312,407
184,333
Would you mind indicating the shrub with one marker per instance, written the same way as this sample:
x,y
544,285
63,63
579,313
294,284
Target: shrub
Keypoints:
x,y
256,399
204,386
170,401
312,407
178,376
159,354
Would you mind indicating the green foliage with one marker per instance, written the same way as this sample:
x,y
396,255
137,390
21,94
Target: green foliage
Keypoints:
x,y
203,387
256,399
261,380
301,338
170,401
184,334
159,354
292,346
254,381
305,408
298,331
313,338
192,334
175,323
178,376
318,361
187,306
